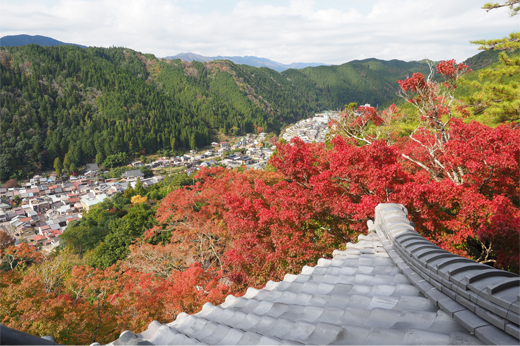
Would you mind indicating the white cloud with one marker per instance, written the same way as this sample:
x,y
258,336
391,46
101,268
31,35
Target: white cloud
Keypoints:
x,y
285,31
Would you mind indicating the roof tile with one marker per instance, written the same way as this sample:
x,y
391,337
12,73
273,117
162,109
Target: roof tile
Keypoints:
x,y
392,287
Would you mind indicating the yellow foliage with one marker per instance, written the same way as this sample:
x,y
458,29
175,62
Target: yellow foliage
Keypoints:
x,y
137,199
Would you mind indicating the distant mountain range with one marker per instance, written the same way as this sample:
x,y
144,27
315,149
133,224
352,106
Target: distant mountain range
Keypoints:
x,y
245,60
22,40
476,62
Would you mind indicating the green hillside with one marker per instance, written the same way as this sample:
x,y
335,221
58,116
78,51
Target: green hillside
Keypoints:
x,y
81,105
75,104
483,59
363,81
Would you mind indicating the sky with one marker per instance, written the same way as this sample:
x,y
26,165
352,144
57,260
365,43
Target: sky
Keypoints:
x,y
286,31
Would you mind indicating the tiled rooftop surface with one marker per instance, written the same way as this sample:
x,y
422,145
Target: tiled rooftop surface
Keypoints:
x,y
486,301
391,287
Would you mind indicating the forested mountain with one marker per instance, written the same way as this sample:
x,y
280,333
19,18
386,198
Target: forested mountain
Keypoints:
x,y
80,104
22,40
483,59
75,104
84,104
365,81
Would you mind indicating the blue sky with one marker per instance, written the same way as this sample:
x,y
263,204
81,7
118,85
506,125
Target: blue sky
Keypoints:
x,y
325,31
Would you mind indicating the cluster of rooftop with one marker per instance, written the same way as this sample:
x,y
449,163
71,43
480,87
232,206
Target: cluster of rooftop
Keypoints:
x,y
312,129
257,153
48,205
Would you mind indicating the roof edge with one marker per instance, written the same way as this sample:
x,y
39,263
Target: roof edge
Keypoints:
x,y
483,299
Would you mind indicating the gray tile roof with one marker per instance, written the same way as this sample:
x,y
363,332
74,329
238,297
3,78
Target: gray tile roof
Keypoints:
x,y
482,299
132,173
92,167
392,287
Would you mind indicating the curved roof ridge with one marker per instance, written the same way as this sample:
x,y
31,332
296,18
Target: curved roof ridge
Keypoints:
x,y
483,299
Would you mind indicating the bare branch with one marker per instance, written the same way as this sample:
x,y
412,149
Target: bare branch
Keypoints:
x,y
486,253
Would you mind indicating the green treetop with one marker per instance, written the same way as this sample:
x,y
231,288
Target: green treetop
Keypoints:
x,y
58,166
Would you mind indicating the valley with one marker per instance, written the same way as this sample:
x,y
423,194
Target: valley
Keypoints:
x,y
81,105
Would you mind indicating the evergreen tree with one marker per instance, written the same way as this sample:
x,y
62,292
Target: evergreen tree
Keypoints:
x,y
58,167
139,188
100,158
497,90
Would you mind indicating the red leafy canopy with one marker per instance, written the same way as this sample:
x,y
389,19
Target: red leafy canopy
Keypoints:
x,y
13,257
431,99
451,71
367,114
415,83
193,287
466,189
459,180
5,241
89,305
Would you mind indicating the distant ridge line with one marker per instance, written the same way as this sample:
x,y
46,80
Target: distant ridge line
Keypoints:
x,y
22,40
245,60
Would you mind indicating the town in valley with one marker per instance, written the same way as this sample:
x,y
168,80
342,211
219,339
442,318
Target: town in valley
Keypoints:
x,y
40,209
